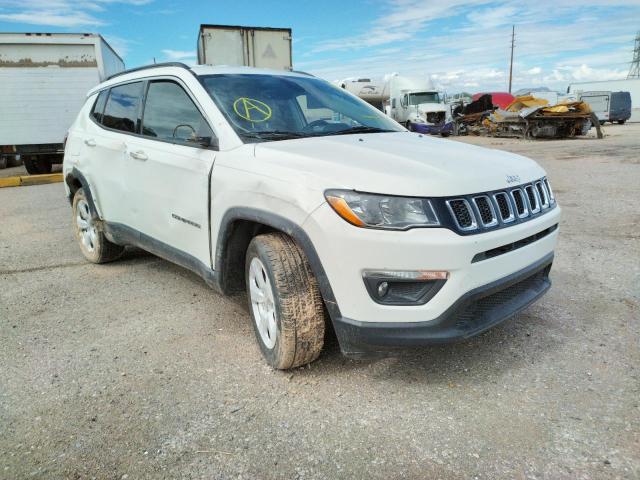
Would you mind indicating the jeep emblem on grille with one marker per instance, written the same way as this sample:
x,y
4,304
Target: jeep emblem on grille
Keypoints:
x,y
513,178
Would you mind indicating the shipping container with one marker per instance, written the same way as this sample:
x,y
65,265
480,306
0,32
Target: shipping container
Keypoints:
x,y
44,79
249,46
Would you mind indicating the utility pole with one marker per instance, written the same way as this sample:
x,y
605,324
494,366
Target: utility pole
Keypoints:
x,y
634,70
513,41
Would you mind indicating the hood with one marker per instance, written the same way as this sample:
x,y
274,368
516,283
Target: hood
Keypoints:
x,y
432,107
401,163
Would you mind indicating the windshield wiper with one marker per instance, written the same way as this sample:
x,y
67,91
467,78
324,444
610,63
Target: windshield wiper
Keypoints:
x,y
359,129
274,135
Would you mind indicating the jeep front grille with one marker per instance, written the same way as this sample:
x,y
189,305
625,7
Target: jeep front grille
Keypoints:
x,y
478,212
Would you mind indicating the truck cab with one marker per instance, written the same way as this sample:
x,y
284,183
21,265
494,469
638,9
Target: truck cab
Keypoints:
x,y
422,111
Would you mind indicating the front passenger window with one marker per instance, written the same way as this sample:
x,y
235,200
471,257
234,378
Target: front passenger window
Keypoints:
x,y
170,115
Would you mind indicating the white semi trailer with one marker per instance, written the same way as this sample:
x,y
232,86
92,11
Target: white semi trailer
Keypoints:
x,y
44,79
413,102
260,47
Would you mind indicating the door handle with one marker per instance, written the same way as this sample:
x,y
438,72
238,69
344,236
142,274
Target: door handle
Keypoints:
x,y
90,142
139,155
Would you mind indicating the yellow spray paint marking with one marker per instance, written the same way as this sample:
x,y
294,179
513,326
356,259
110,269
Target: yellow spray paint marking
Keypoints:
x,y
252,110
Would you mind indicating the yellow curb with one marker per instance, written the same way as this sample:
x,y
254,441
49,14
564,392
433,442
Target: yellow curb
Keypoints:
x,y
30,180
10,182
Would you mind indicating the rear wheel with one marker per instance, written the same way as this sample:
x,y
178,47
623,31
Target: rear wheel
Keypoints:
x,y
284,301
37,165
621,122
94,245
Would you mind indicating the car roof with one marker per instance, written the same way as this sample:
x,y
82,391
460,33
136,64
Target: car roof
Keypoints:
x,y
181,69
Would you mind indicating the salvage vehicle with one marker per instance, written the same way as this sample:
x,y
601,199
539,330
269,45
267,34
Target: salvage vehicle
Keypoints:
x,y
44,80
412,102
399,239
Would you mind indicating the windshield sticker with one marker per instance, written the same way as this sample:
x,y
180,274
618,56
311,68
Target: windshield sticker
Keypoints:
x,y
252,110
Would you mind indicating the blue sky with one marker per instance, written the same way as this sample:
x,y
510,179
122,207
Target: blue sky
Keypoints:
x,y
462,44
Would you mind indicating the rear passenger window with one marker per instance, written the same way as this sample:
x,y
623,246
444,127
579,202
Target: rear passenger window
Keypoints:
x,y
170,114
98,107
123,108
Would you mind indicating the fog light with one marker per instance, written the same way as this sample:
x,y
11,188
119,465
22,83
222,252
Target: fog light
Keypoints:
x,y
393,287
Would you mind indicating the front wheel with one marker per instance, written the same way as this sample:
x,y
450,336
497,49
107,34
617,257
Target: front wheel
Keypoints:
x,y
408,126
284,301
94,245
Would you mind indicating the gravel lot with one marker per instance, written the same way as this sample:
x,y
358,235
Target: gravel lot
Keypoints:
x,y
137,370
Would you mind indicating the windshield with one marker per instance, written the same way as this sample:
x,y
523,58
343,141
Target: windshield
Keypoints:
x,y
279,107
423,97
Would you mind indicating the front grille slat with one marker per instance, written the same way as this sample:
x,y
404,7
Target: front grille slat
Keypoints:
x,y
521,204
542,194
504,207
462,214
485,209
532,198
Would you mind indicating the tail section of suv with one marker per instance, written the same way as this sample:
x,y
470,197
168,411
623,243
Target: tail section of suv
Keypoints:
x,y
314,203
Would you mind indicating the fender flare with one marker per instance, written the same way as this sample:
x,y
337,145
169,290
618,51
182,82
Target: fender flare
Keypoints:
x,y
288,227
75,174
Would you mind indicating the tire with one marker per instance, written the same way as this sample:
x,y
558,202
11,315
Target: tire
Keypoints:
x,y
408,126
93,244
445,134
284,301
621,122
3,162
37,165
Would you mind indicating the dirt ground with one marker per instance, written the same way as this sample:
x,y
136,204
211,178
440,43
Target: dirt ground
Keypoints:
x,y
136,369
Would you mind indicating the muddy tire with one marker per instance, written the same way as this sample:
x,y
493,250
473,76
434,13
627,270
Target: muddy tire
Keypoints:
x,y
94,245
284,301
37,165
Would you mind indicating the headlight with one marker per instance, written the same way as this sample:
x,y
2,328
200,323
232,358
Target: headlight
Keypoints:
x,y
382,211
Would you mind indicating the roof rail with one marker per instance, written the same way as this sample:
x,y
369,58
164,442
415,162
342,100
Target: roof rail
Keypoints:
x,y
154,65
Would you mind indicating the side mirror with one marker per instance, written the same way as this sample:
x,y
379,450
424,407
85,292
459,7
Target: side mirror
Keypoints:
x,y
207,142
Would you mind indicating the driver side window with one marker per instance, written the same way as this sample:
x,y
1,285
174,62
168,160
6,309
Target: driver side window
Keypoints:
x,y
170,115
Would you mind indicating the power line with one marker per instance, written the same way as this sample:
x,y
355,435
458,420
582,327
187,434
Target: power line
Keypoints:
x,y
634,70
513,40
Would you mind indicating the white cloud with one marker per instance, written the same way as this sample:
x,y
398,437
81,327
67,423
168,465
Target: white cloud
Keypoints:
x,y
59,13
466,44
179,54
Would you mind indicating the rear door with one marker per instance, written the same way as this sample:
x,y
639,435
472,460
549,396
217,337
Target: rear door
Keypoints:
x,y
114,118
168,170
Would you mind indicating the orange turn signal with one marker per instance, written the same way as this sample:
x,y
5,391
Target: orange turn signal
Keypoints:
x,y
342,208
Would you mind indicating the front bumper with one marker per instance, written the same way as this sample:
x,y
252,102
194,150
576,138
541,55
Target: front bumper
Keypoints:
x,y
446,128
472,314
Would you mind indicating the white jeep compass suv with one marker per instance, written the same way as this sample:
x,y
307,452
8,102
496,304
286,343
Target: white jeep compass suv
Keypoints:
x,y
314,202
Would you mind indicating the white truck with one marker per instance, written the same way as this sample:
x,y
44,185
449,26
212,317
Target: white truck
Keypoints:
x,y
631,85
245,46
44,80
412,102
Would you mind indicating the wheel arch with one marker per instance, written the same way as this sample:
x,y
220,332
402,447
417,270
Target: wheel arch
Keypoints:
x,y
238,226
75,180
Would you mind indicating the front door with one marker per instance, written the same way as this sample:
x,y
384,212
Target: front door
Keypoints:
x,y
168,173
